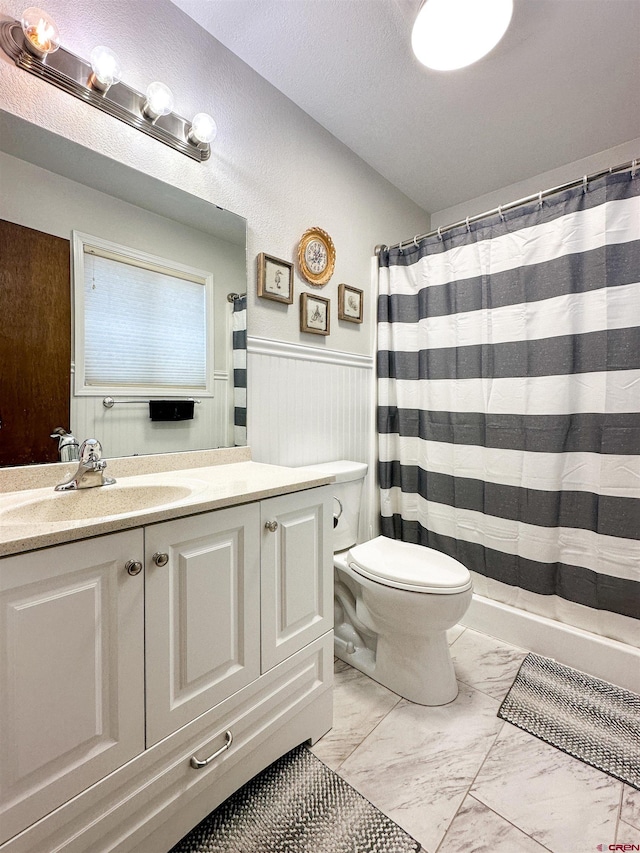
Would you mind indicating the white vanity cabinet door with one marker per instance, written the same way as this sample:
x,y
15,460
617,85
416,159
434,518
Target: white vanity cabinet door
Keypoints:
x,y
202,614
297,572
71,672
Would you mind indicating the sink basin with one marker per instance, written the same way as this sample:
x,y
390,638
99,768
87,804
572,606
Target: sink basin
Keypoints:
x,y
93,503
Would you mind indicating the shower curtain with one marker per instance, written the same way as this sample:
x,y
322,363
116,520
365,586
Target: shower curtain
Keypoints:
x,y
239,347
509,395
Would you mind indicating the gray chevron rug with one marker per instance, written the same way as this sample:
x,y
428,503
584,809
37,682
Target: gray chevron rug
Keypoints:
x,y
297,805
583,716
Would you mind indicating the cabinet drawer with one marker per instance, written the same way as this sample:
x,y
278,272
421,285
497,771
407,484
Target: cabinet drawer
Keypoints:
x,y
151,802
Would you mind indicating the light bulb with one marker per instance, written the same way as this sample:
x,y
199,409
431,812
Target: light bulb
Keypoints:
x,y
159,101
450,34
41,34
203,129
106,68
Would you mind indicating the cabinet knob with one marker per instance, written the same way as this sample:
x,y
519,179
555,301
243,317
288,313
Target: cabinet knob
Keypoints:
x,y
160,559
134,567
271,526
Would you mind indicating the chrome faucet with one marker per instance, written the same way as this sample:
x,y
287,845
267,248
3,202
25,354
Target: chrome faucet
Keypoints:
x,y
67,444
90,471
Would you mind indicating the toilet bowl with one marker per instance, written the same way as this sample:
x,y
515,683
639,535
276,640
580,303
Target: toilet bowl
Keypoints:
x,y
394,602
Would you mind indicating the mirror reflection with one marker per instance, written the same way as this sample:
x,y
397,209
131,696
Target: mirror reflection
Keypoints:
x,y
146,250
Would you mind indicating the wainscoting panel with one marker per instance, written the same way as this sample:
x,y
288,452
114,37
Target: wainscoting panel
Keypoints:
x,y
308,405
126,429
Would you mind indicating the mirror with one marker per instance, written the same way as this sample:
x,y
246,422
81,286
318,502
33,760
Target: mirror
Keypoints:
x,y
52,187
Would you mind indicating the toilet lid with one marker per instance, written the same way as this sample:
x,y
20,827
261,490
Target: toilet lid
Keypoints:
x,y
406,566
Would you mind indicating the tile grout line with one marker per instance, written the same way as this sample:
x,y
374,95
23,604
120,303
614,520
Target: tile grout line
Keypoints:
x,y
368,735
468,788
514,825
457,638
484,693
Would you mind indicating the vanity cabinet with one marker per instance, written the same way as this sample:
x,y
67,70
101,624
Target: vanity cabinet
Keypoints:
x,y
118,685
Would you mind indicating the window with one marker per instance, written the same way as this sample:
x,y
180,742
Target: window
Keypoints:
x,y
143,324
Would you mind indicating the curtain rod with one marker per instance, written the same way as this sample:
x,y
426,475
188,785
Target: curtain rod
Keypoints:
x,y
632,165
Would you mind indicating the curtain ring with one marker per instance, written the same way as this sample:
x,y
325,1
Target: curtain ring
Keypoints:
x,y
400,247
584,184
500,213
540,202
468,226
440,234
415,242
634,166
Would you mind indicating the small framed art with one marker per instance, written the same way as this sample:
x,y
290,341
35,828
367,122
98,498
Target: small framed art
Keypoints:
x,y
350,303
314,314
275,279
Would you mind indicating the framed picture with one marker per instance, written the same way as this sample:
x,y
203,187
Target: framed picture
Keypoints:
x,y
275,279
314,314
350,301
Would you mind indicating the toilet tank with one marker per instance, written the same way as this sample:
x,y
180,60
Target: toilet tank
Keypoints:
x,y
347,491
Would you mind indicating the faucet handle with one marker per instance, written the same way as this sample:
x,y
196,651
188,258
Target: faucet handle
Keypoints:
x,y
90,450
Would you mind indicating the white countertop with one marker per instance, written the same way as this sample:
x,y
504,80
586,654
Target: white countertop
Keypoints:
x,y
207,488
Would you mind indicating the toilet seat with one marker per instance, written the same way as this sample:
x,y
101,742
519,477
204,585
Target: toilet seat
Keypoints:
x,y
406,566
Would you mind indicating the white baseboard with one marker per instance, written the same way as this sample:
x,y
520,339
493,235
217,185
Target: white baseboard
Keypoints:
x,y
615,662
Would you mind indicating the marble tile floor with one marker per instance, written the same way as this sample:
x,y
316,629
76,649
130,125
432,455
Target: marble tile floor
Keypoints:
x,y
461,780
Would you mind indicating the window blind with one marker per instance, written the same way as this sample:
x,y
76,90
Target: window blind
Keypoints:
x,y
143,327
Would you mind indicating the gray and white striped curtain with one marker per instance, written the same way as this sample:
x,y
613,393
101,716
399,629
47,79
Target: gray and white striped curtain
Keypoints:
x,y
239,345
509,395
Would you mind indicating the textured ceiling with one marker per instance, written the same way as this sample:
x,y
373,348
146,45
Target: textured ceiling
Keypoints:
x,y
563,84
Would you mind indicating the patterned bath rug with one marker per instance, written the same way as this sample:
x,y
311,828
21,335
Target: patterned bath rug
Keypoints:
x,y
297,805
583,716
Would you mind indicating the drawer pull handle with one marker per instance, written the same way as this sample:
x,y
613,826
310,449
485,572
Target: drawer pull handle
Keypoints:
x,y
160,559
271,525
196,764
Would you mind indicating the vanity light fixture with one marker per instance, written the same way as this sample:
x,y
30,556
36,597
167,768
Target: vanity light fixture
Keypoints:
x,y
203,129
451,34
159,101
33,43
105,68
41,35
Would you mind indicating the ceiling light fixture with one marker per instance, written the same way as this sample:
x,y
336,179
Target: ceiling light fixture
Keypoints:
x,y
33,43
449,34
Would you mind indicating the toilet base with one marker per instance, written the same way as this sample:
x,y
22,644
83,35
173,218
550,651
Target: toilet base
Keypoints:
x,y
359,657
426,677
415,682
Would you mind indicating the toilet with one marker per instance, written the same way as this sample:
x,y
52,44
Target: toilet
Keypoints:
x,y
393,601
